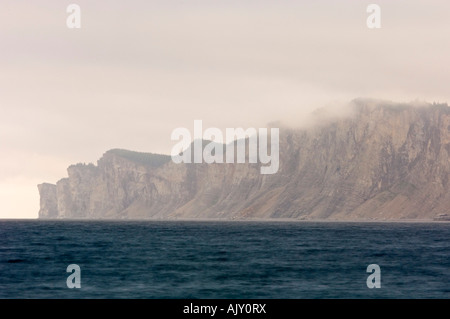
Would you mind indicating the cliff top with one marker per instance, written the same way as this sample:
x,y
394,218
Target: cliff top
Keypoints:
x,y
148,159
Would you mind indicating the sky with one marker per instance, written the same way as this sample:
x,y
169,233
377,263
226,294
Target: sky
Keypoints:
x,y
136,70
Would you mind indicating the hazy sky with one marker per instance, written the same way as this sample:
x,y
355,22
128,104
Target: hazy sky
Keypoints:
x,y
138,69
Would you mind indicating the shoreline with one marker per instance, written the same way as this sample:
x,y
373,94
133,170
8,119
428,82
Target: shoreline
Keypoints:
x,y
238,220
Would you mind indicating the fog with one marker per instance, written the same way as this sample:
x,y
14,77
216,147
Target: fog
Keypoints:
x,y
136,70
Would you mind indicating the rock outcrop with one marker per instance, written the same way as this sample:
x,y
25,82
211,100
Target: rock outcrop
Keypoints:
x,y
49,204
385,161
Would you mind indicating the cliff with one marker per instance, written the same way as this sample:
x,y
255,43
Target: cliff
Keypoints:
x,y
384,161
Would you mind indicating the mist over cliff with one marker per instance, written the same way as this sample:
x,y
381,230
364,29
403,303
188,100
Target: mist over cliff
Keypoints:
x,y
381,161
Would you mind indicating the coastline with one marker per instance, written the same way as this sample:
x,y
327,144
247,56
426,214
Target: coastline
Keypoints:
x,y
241,220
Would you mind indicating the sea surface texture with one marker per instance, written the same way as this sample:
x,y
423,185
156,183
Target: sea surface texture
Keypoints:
x,y
148,259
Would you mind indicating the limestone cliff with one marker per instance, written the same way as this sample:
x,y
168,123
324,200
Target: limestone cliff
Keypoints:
x,y
49,205
385,161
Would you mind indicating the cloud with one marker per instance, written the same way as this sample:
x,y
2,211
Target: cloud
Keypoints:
x,y
136,71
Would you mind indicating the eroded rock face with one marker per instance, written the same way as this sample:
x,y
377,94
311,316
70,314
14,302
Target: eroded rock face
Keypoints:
x,y
383,162
49,205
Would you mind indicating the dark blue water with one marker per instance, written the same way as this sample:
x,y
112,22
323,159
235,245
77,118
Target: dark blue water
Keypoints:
x,y
223,259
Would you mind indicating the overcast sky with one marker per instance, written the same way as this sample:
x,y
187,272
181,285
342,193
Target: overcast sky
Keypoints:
x,y
136,70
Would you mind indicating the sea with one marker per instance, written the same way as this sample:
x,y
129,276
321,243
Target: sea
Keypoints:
x,y
223,260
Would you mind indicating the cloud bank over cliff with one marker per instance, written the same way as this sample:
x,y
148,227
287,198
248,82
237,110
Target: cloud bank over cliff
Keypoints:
x,y
68,95
387,161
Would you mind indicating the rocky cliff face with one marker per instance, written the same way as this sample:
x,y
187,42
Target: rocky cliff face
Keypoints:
x,y
384,162
49,205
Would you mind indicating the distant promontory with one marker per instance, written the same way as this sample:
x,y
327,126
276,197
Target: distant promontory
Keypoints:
x,y
384,161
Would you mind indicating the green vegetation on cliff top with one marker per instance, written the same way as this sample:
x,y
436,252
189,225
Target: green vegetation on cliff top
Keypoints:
x,y
149,159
